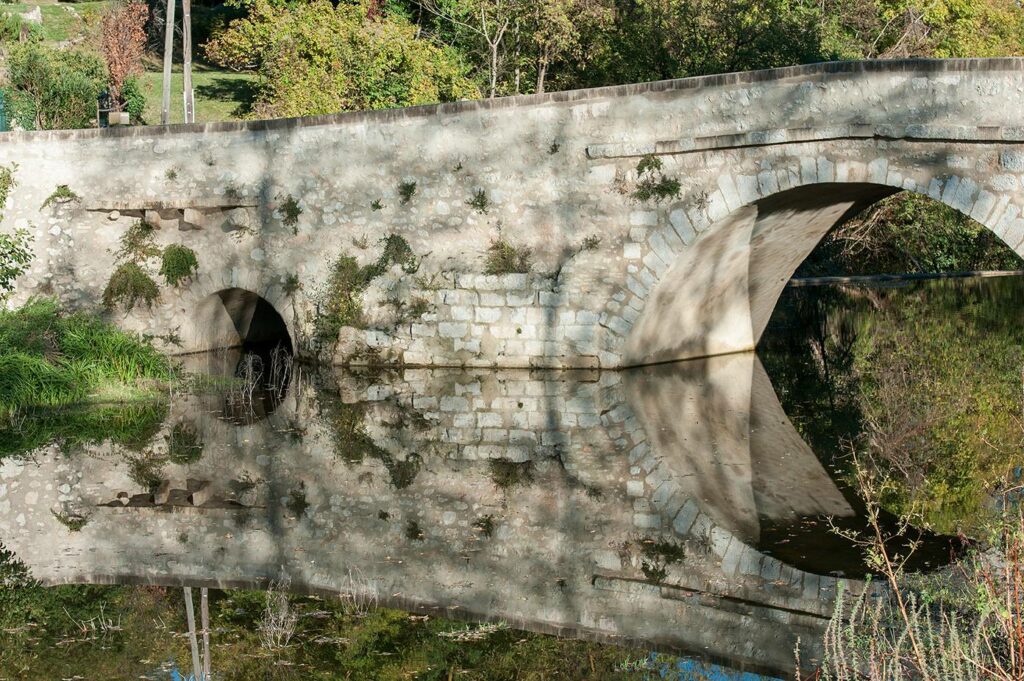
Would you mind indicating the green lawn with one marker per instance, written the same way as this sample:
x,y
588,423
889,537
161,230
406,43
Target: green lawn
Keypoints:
x,y
219,95
61,20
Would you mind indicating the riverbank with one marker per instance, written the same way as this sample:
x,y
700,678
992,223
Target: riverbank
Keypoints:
x,y
51,358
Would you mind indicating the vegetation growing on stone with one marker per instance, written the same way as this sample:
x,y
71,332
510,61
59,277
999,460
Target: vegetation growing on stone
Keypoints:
x,y
291,284
406,190
376,204
651,183
62,194
297,503
290,212
171,174
341,299
74,523
484,525
413,532
506,258
178,263
479,202
138,243
128,286
7,182
508,474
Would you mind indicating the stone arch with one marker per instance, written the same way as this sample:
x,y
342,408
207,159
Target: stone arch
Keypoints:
x,y
235,317
716,263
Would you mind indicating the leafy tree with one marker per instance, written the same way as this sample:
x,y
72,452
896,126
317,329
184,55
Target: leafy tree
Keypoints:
x,y
317,58
63,84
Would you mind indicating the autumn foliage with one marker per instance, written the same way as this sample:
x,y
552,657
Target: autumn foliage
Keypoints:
x,y
123,40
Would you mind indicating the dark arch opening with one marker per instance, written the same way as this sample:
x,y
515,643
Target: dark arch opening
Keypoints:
x,y
258,325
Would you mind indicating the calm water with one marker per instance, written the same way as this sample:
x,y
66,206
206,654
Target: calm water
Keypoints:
x,y
683,507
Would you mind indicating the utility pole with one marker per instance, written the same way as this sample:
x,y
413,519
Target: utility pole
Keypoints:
x,y
168,58
204,613
186,50
190,614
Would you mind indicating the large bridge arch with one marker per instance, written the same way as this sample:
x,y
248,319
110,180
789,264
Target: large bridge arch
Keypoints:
x,y
711,292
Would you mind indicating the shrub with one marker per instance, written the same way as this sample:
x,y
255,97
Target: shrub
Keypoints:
x,y
20,109
134,100
127,286
63,84
504,258
178,263
15,255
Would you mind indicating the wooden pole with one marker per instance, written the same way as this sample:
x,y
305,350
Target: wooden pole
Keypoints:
x,y
190,614
204,614
165,109
186,50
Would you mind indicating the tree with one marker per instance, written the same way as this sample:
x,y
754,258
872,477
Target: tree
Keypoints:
x,y
488,21
123,41
317,58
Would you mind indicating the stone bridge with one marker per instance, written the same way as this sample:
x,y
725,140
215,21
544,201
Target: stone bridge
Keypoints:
x,y
662,219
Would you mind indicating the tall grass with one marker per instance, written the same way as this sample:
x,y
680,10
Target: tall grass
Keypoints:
x,y
49,358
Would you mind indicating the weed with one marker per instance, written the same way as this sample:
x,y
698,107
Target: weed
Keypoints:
x,y
182,537
377,204
418,307
361,242
74,523
484,525
590,243
651,183
383,515
15,256
471,634
406,190
178,263
184,446
341,300
504,258
137,243
554,148
128,285
508,474
413,531
171,174
291,284
62,194
397,251
479,202
458,167
290,212
277,627
232,191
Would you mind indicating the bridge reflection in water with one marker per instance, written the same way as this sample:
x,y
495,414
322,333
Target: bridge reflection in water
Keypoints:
x,y
618,506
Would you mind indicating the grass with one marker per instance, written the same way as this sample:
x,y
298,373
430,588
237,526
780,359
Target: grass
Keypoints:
x,y
219,95
62,20
49,358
